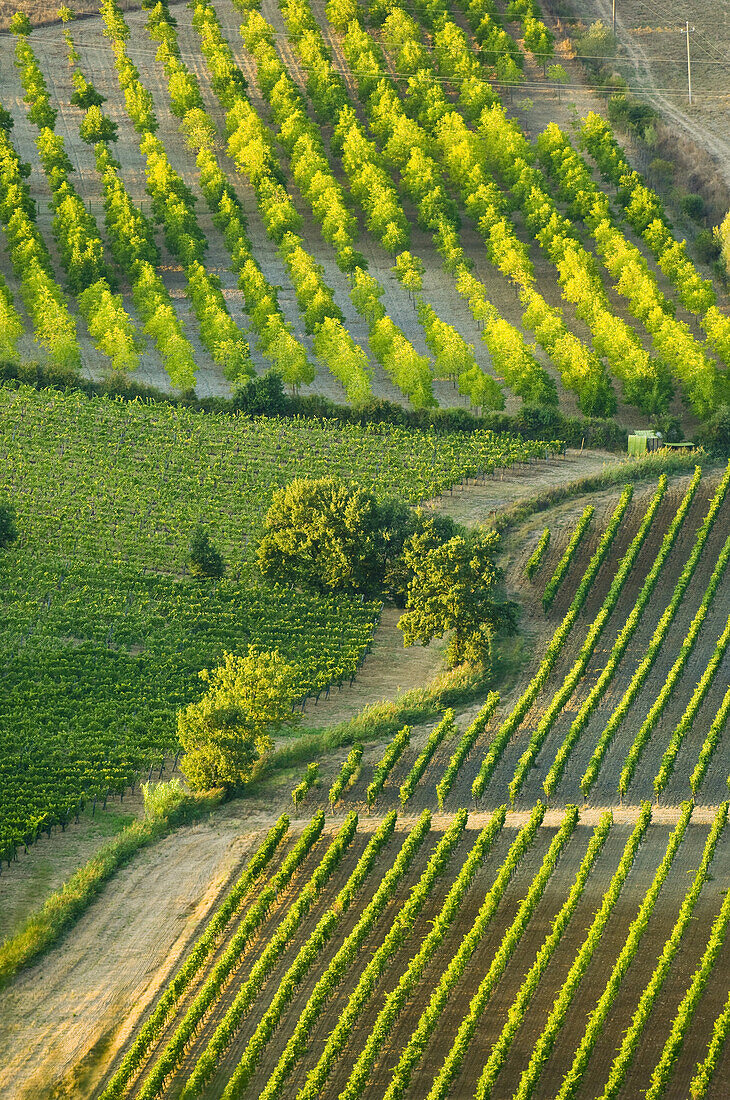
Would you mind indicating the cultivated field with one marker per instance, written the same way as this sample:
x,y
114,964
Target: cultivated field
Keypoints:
x,y
526,898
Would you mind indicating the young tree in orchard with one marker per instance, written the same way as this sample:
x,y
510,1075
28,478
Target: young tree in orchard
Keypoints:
x,y
452,587
225,732
203,558
96,127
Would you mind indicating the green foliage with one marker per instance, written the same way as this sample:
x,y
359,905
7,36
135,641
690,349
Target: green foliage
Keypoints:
x,y
619,647
535,559
552,586
86,96
96,127
347,776
203,559
8,526
452,587
20,24
162,799
327,537
299,792
229,728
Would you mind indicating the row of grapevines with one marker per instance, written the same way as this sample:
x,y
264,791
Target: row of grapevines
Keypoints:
x,y
469,736
399,996
685,723
299,792
546,1041
688,1005
553,651
445,729
552,586
400,930
275,947
413,1051
306,957
230,958
645,213
200,951
706,1068
597,1018
348,775
535,560
343,960
390,758
570,682
644,732
624,1057
710,743
596,693
657,639
519,1006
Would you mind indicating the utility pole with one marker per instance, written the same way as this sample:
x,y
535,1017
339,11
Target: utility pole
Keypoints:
x,y
689,67
613,19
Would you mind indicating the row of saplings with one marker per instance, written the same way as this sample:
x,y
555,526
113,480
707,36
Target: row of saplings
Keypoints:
x,y
325,537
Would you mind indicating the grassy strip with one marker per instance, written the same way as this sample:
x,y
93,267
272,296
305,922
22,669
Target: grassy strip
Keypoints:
x,y
45,927
636,469
380,720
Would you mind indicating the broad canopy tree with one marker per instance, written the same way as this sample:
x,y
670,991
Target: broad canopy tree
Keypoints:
x,y
324,536
452,587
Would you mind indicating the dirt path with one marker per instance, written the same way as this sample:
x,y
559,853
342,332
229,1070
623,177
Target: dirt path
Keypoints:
x,y
705,122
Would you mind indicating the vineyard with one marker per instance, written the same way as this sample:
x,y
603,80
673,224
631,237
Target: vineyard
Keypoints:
x,y
103,632
441,919
525,893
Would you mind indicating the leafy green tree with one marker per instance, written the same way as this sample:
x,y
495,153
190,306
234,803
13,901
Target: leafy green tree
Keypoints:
x,y
225,732
20,23
203,558
325,536
557,75
452,587
8,529
97,127
262,395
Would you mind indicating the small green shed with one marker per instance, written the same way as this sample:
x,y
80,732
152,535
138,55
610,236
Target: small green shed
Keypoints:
x,y
644,441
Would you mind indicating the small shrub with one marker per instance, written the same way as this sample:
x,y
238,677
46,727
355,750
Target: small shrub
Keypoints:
x,y
162,799
203,558
8,529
